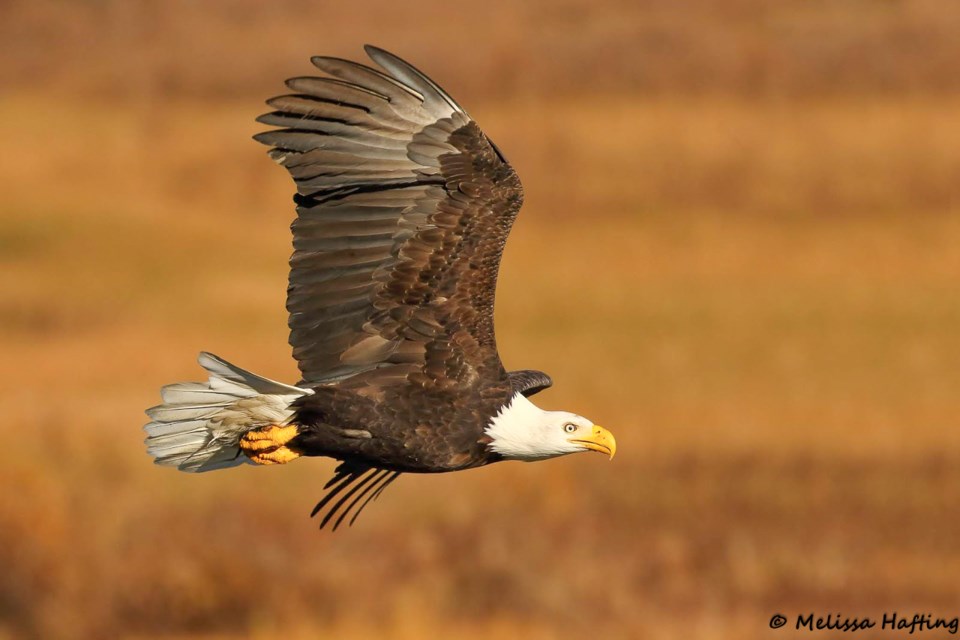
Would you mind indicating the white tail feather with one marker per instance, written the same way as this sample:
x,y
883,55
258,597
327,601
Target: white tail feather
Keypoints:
x,y
199,425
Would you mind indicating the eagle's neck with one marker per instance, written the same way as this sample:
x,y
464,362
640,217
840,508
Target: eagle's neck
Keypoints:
x,y
512,431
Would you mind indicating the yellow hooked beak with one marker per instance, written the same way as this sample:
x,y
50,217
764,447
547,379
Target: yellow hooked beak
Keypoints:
x,y
599,440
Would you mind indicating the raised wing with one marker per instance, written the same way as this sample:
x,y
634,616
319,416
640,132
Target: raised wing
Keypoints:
x,y
404,207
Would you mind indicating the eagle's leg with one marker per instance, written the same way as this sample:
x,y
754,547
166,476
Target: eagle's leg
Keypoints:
x,y
267,445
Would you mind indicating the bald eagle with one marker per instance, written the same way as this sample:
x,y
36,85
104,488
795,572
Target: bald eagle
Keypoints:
x,y
403,210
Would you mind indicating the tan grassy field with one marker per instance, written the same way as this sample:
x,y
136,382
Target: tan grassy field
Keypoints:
x,y
758,295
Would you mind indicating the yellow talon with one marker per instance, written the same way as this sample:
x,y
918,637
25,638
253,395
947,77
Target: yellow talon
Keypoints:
x,y
267,445
280,455
279,436
253,446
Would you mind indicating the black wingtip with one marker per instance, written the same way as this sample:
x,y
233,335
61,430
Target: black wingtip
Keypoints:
x,y
353,485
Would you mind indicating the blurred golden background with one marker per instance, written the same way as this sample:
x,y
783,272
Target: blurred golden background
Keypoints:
x,y
738,251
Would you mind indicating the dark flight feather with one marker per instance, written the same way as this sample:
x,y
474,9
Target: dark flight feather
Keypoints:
x,y
357,476
529,381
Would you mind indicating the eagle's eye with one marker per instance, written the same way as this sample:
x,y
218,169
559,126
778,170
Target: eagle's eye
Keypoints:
x,y
569,427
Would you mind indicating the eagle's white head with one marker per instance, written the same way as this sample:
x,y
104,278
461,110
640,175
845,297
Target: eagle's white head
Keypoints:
x,y
524,431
